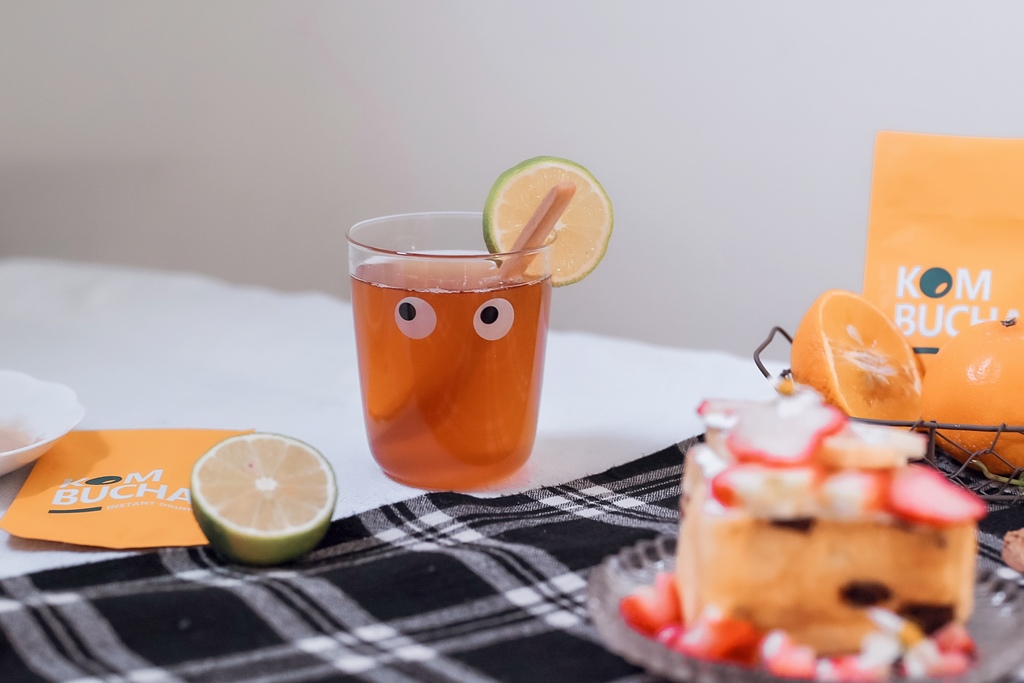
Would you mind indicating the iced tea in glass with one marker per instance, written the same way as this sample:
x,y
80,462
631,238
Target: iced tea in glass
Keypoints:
x,y
451,342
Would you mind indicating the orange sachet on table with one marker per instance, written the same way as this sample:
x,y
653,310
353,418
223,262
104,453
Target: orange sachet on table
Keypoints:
x,y
114,489
945,234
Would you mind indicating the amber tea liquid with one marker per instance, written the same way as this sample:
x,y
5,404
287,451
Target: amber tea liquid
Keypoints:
x,y
450,376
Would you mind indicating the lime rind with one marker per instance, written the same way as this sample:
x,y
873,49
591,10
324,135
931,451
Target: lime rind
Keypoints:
x,y
262,550
532,165
255,546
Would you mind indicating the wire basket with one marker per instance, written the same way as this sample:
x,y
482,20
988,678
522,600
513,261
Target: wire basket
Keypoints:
x,y
966,469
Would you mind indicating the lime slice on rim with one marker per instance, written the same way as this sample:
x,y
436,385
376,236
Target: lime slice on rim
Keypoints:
x,y
263,498
583,230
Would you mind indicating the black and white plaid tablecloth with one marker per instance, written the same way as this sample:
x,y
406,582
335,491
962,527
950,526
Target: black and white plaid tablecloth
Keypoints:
x,y
442,587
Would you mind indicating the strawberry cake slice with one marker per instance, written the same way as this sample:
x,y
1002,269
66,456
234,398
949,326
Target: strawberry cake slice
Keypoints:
x,y
823,538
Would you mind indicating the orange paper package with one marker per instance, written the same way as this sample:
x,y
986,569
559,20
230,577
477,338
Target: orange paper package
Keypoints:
x,y
945,234
120,489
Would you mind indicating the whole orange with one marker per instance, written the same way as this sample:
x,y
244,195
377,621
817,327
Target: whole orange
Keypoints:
x,y
976,379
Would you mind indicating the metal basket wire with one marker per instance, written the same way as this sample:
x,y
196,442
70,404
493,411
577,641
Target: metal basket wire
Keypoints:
x,y
966,469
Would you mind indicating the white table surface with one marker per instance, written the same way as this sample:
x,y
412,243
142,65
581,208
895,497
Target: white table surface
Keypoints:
x,y
147,349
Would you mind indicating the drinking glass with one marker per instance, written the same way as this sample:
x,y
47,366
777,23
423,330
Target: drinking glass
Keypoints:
x,y
450,342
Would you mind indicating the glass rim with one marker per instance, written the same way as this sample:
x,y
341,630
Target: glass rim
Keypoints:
x,y
441,257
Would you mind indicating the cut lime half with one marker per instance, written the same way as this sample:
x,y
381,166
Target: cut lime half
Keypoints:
x,y
263,498
583,231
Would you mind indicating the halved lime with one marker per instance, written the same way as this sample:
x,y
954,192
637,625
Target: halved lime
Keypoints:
x,y
583,230
263,498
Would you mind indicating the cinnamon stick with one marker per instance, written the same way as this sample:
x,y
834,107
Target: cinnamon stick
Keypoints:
x,y
536,231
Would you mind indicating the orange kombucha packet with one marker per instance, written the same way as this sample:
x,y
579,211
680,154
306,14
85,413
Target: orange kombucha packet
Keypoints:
x,y
945,234
114,489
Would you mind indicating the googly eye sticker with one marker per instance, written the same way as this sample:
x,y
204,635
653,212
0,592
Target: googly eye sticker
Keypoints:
x,y
415,317
493,319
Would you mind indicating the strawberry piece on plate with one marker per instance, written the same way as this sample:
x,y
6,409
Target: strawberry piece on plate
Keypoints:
x,y
949,664
720,638
649,609
921,494
925,659
782,656
954,637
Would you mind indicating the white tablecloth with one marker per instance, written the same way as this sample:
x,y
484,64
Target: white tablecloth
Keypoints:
x,y
145,349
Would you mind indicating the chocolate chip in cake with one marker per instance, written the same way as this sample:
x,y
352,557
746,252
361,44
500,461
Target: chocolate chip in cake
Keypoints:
x,y
930,617
904,526
801,524
865,593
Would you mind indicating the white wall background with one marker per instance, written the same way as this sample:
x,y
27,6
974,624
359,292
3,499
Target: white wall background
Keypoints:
x,y
240,138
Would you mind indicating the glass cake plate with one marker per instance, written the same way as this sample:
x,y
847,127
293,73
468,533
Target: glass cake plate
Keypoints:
x,y
997,624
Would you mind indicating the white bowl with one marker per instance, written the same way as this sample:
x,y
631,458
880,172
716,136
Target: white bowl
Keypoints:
x,y
33,415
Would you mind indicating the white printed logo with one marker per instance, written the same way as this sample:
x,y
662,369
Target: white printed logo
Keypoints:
x,y
930,319
132,490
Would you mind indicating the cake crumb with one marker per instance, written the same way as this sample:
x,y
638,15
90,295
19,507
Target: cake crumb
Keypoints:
x,y
1013,549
